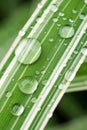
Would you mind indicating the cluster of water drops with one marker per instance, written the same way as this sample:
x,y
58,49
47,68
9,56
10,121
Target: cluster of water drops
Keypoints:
x,y
27,85
70,74
29,51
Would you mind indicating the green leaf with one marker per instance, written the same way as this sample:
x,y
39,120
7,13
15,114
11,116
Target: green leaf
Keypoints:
x,y
80,81
60,59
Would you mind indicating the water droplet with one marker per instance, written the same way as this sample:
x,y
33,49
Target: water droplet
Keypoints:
x,y
55,20
53,8
85,1
21,33
69,76
74,11
61,14
46,11
28,51
61,86
45,32
33,100
31,27
58,24
82,42
64,18
17,109
43,72
49,105
71,20
65,44
8,94
44,82
84,51
66,31
75,52
82,16
39,20
27,85
37,72
51,39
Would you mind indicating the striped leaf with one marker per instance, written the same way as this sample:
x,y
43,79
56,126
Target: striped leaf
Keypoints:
x,y
41,63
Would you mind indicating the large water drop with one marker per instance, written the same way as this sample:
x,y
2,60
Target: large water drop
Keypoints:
x,y
66,31
28,51
28,85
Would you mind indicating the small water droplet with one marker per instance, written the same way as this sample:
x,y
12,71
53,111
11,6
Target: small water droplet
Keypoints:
x,y
82,42
49,105
17,109
71,20
85,1
61,86
46,11
64,18
21,33
51,39
65,44
44,82
53,8
66,31
31,27
74,11
28,51
69,76
84,51
39,20
37,72
28,85
43,72
61,14
82,16
55,20
33,100
58,24
8,94
75,52
45,32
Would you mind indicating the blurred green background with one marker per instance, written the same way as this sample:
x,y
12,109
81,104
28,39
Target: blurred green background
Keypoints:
x,y
71,114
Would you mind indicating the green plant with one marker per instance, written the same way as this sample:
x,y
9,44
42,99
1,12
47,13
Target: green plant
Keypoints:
x,y
62,49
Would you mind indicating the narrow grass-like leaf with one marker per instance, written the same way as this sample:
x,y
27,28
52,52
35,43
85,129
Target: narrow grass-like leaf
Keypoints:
x,y
56,67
